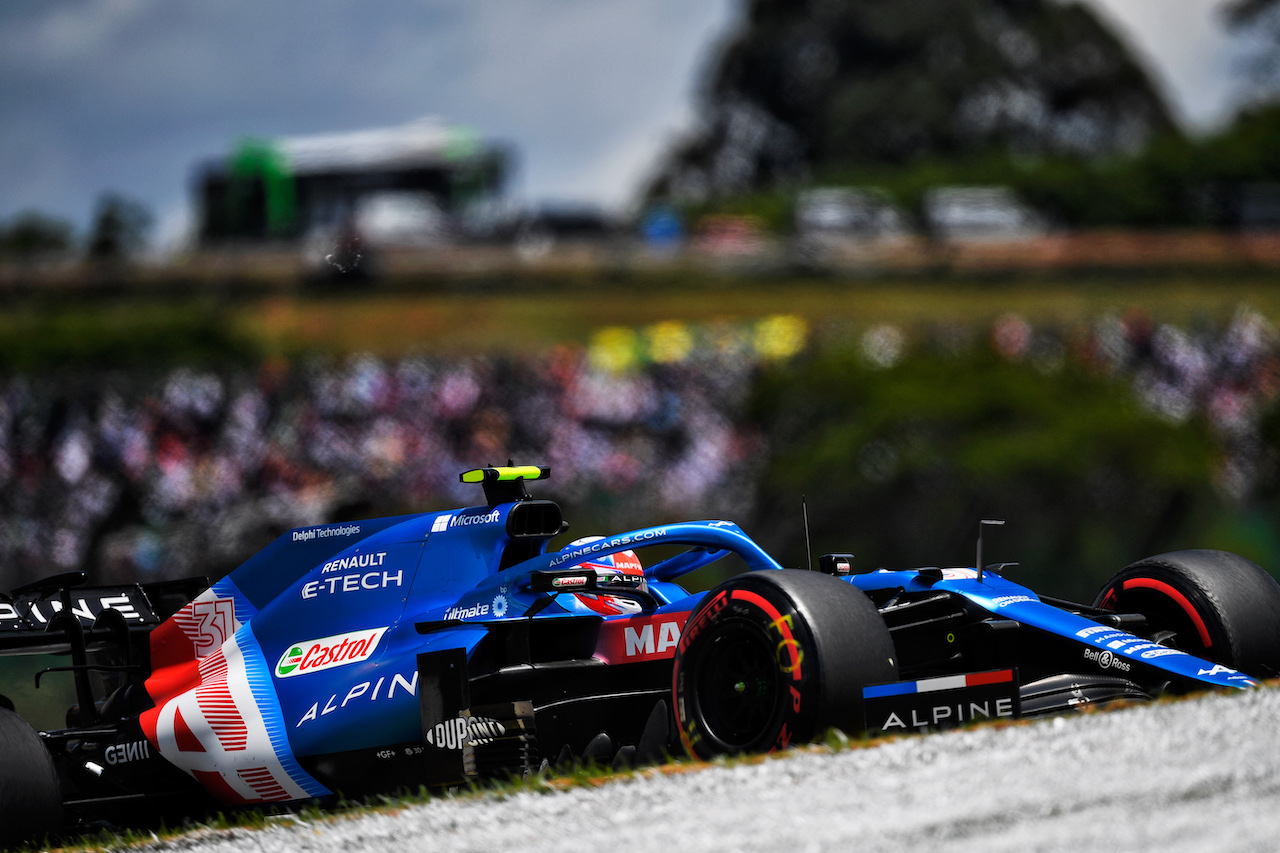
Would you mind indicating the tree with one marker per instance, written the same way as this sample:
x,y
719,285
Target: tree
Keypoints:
x,y
32,235
907,458
120,228
1245,12
1260,21
808,85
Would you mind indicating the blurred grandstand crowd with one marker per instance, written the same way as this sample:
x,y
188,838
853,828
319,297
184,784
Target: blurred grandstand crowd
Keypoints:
x,y
189,472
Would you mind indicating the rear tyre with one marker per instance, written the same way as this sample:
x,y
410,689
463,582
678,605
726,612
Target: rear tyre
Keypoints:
x,y
773,658
30,796
1218,605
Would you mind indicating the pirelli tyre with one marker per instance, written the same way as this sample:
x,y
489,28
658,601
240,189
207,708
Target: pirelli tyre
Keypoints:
x,y
1218,605
773,658
30,796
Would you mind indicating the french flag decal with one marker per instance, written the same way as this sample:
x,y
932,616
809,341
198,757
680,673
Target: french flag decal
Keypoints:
x,y
932,685
941,703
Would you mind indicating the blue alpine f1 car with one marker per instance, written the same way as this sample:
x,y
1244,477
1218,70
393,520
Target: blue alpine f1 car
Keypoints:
x,y
439,648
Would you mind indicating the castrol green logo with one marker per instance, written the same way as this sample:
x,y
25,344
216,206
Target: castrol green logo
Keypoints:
x,y
328,652
289,662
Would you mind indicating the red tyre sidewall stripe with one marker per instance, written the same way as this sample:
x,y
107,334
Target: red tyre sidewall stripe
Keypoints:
x,y
783,628
1178,598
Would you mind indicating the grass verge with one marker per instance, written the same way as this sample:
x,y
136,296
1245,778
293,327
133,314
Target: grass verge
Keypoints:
x,y
161,330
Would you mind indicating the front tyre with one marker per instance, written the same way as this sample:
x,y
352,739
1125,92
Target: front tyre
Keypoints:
x,y
1218,605
772,658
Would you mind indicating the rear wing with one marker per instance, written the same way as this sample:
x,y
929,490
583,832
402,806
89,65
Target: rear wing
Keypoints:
x,y
45,616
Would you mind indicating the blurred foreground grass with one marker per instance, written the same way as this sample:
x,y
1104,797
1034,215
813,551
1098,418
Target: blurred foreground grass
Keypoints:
x,y
157,330
514,320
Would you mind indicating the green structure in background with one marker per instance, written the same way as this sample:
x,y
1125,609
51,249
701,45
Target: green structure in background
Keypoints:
x,y
258,167
294,187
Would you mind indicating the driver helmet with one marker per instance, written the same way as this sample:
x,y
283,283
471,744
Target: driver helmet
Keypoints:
x,y
622,568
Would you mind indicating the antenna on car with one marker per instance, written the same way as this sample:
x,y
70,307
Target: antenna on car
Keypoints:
x,y
994,522
808,549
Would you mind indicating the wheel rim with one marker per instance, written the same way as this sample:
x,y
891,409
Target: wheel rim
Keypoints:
x,y
736,686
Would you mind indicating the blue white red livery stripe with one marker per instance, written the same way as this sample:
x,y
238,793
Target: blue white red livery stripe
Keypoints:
x,y
932,685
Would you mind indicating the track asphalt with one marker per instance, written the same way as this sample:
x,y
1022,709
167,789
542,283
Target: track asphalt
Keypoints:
x,y
1201,774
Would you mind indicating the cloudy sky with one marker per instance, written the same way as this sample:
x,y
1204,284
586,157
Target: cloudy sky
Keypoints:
x,y
128,95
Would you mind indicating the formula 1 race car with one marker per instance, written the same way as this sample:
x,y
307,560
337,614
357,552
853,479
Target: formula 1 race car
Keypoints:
x,y
439,648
